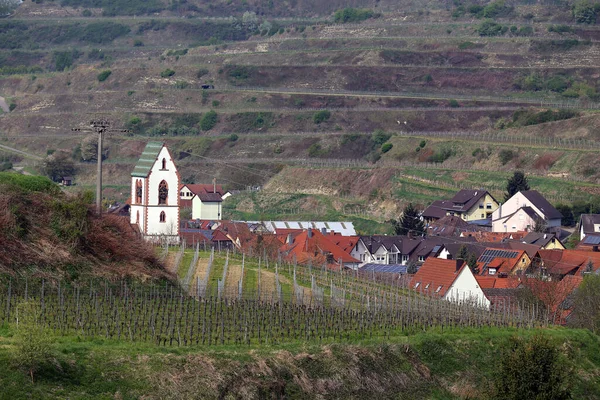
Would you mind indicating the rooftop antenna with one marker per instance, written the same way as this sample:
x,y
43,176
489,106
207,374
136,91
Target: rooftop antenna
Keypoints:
x,y
99,126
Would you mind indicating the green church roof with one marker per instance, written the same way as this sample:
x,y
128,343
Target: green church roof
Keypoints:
x,y
147,159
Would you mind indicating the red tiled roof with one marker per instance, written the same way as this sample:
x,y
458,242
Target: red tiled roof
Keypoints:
x,y
346,243
493,282
563,262
316,248
436,273
501,264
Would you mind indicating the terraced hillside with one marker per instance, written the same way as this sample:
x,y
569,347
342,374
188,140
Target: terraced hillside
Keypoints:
x,y
400,100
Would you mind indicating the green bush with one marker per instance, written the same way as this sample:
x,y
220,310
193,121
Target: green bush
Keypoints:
x,y
167,73
532,369
179,52
466,45
491,28
441,155
506,155
380,137
29,183
65,59
103,32
216,103
240,72
102,76
138,43
321,116
585,12
208,121
453,103
386,147
315,150
181,85
86,13
12,106
560,28
233,137
353,15
497,9
422,143
531,117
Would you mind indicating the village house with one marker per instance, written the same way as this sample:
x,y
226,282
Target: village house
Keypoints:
x,y
379,249
451,280
556,264
469,205
589,224
546,241
154,196
523,211
205,200
498,261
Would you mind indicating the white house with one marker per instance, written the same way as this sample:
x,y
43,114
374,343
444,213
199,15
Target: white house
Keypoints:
x,y
450,280
154,194
522,211
589,225
204,199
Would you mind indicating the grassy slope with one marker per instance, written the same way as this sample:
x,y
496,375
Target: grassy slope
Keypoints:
x,y
429,365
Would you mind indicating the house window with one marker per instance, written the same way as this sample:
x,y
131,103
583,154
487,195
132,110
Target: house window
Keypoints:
x,y
164,163
492,271
421,258
427,286
417,284
163,216
138,191
438,289
404,258
181,194
482,215
481,206
523,260
163,192
488,206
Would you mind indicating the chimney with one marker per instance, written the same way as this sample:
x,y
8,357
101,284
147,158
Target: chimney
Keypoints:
x,y
324,231
309,233
289,239
595,248
500,210
459,263
214,185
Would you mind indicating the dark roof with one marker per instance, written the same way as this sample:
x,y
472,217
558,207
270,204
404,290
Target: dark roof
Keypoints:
x,y
539,239
385,268
449,225
454,248
542,204
465,199
212,197
436,209
588,221
147,159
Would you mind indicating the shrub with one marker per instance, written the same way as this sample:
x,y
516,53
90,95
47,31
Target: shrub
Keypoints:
x,y
216,103
138,43
208,121
422,143
240,72
179,52
167,73
506,155
441,155
315,150
29,183
418,149
380,137
532,369
585,12
321,116
181,85
12,106
466,45
102,76
103,32
386,147
491,28
64,59
453,103
233,137
560,28
353,15
86,13
496,9
530,117
201,72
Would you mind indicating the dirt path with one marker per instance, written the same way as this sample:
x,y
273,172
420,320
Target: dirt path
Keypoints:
x,y
201,268
170,261
4,105
234,273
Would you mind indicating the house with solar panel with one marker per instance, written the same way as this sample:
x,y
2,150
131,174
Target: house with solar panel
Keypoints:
x,y
155,194
503,262
468,205
451,280
523,211
589,225
388,250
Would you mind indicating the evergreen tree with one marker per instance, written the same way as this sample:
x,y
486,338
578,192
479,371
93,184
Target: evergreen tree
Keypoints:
x,y
410,222
462,253
516,183
472,263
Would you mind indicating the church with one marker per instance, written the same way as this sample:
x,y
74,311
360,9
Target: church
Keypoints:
x,y
155,196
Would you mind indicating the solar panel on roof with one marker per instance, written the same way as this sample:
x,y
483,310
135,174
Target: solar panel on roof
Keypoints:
x,y
591,240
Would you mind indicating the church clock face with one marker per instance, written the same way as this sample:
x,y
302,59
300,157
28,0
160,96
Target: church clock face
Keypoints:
x,y
163,193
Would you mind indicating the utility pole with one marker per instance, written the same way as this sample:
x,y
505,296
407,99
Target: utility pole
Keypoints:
x,y
100,126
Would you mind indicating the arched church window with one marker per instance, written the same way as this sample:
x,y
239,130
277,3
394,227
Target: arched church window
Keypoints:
x,y
163,216
164,163
163,192
138,191
137,217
